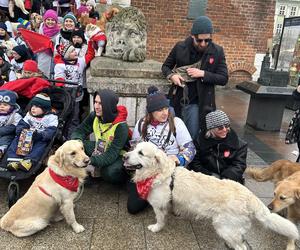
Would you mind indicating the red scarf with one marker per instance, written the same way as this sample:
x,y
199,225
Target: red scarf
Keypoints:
x,y
144,187
69,182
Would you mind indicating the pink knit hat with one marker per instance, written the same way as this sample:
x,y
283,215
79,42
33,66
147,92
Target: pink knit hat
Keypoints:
x,y
82,9
50,14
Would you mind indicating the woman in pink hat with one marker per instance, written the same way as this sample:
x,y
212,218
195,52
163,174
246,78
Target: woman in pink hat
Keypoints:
x,y
49,28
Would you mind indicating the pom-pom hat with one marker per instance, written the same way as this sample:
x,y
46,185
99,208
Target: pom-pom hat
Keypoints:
x,y
41,100
156,100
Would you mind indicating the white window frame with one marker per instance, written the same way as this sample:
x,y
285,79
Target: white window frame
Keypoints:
x,y
293,11
279,28
282,9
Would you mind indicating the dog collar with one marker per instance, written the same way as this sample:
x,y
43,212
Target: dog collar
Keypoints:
x,y
144,187
69,182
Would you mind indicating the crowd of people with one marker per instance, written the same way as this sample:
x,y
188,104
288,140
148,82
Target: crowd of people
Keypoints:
x,y
184,124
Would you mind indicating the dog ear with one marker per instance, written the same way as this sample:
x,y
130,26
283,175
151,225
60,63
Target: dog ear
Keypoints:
x,y
297,193
159,156
59,156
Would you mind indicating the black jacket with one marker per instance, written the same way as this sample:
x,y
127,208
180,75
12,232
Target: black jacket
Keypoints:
x,y
213,62
225,157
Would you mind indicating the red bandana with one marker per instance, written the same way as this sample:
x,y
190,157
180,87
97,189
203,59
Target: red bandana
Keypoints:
x,y
69,182
143,187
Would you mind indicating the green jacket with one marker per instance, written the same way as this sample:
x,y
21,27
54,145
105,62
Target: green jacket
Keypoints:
x,y
113,151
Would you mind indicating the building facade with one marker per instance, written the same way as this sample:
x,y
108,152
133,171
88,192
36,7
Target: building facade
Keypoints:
x,y
284,9
241,27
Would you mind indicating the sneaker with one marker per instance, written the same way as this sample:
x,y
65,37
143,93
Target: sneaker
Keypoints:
x,y
13,165
25,165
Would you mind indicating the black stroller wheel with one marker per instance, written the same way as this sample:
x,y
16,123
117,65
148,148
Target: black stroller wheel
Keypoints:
x,y
13,193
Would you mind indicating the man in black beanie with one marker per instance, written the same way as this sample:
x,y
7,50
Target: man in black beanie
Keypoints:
x,y
194,66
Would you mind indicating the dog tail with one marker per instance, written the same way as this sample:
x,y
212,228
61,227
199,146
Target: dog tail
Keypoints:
x,y
274,221
264,174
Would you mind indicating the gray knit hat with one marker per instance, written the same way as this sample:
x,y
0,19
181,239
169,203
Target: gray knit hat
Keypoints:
x,y
202,25
156,100
216,119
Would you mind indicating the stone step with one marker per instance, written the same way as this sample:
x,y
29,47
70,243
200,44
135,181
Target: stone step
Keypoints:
x,y
109,67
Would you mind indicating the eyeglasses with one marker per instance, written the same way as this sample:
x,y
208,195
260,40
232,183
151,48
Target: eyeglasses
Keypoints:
x,y
223,126
207,40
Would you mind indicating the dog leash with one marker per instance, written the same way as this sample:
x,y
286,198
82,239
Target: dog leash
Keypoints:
x,y
172,184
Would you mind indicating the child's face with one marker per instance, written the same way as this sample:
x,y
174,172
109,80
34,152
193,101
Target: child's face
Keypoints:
x,y
4,107
50,22
90,7
35,110
73,55
2,32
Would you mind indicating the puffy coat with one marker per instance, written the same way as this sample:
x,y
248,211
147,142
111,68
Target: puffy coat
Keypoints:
x,y
225,157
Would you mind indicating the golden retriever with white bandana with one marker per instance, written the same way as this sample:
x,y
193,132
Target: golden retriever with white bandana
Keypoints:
x,y
230,205
52,193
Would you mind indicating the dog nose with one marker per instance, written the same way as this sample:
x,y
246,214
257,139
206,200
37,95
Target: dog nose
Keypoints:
x,y
270,206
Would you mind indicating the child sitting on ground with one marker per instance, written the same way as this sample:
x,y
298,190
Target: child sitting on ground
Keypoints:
x,y
33,134
9,118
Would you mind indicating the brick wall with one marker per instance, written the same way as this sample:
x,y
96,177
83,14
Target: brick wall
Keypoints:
x,y
242,28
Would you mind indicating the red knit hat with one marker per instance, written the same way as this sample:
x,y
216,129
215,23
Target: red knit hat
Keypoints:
x,y
30,65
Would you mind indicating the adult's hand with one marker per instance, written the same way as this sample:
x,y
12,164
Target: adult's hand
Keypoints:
x,y
90,169
195,73
177,80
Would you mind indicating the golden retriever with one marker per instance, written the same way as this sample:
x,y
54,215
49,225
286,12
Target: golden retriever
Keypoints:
x,y
287,195
50,197
286,177
230,205
276,172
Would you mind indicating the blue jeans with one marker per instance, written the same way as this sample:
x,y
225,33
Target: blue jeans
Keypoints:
x,y
190,116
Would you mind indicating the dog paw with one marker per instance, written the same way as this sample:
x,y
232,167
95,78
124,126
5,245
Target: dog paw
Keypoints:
x,y
78,228
154,228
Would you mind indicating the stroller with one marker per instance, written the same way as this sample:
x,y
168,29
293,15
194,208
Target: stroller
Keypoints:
x,y
61,101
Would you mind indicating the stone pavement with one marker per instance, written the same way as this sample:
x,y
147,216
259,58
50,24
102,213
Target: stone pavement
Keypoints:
x,y
102,211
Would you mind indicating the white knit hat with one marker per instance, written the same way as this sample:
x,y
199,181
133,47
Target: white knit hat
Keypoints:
x,y
91,2
216,119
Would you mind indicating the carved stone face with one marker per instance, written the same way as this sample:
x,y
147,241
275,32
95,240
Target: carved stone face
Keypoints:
x,y
127,36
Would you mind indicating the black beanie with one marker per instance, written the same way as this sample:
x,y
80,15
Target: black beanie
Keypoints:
x,y
109,102
79,33
202,25
43,101
156,100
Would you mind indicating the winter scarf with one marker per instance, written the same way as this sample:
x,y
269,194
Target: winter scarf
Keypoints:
x,y
50,32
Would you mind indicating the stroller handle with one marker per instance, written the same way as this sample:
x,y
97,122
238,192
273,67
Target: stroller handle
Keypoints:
x,y
61,81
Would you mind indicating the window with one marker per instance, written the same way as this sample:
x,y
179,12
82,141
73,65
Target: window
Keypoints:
x,y
197,8
278,28
293,11
282,10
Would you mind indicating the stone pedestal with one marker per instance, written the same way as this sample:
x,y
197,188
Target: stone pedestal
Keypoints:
x,y
266,105
129,80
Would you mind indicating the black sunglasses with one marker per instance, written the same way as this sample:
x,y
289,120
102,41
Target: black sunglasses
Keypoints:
x,y
223,126
207,40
